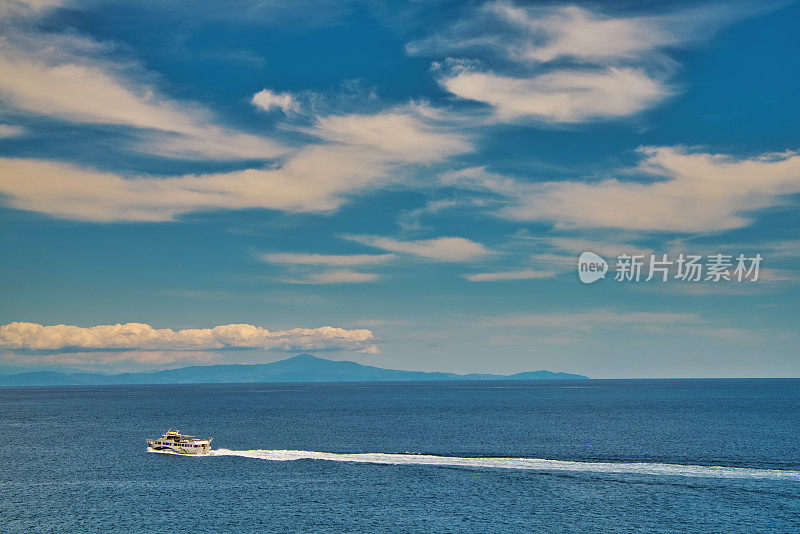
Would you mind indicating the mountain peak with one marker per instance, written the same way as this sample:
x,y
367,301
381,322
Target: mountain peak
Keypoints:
x,y
303,358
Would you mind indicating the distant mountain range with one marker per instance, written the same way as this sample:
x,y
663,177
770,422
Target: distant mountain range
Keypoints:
x,y
300,368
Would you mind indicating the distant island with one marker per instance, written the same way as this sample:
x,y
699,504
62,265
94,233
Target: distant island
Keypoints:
x,y
300,368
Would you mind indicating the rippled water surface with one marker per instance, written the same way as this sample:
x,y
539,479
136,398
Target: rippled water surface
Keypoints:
x,y
599,456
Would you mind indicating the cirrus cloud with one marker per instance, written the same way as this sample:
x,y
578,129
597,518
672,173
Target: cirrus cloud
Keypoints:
x,y
67,83
406,134
565,96
684,191
340,276
566,64
11,130
361,152
524,274
341,260
450,249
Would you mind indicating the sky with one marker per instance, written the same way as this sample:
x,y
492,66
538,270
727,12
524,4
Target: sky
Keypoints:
x,y
407,185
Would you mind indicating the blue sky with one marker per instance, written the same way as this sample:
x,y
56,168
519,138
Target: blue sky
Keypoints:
x,y
403,185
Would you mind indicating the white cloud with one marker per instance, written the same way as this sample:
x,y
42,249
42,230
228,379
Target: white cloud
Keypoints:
x,y
403,134
32,336
779,250
315,178
604,247
84,93
267,100
451,249
10,9
332,276
525,274
69,84
564,96
556,254
76,79
9,130
342,260
340,276
685,192
789,248
591,319
566,64
542,34
573,326
412,220
550,33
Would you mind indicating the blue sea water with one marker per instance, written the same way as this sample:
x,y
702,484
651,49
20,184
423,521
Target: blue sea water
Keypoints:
x,y
559,456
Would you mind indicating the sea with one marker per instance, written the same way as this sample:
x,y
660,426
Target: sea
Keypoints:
x,y
531,456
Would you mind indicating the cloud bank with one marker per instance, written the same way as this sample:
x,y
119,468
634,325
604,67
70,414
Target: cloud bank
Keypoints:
x,y
19,336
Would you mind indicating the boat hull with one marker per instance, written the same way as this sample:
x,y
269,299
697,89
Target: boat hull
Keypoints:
x,y
177,449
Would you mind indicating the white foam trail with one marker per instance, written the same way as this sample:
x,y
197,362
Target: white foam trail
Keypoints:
x,y
536,464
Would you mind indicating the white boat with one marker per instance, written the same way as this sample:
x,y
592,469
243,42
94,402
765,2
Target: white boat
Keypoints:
x,y
174,441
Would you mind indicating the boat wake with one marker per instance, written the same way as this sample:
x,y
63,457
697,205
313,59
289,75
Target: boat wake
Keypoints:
x,y
534,464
